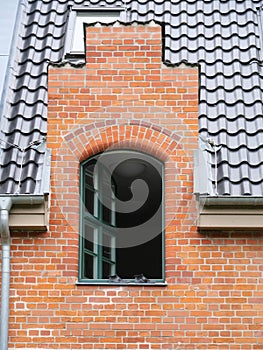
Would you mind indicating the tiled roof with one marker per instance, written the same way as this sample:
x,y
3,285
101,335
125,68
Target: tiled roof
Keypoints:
x,y
223,36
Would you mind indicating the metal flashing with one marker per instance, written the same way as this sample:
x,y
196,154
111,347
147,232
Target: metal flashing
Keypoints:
x,y
8,19
260,25
45,184
98,9
200,173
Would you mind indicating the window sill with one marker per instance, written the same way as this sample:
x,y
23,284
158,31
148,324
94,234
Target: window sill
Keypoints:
x,y
121,284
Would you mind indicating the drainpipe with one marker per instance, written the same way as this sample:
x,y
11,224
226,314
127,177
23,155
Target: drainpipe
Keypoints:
x,y
5,206
6,202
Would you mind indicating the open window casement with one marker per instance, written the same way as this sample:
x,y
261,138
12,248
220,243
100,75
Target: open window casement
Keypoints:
x,y
121,217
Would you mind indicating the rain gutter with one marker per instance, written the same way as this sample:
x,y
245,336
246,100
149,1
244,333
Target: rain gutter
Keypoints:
x,y
6,202
230,212
231,201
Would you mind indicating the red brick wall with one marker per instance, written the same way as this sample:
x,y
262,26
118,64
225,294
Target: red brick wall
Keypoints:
x,y
126,97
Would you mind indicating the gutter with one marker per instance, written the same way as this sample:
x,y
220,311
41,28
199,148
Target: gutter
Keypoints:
x,y
6,202
237,201
230,213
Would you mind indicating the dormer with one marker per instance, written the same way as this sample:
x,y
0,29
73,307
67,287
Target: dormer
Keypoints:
x,y
74,45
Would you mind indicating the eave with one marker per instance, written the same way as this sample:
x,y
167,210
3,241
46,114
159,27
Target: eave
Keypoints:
x,y
230,213
28,212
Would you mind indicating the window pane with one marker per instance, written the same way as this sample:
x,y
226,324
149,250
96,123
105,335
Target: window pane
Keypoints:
x,y
89,266
106,215
108,243
89,180
106,252
89,187
89,169
107,195
89,201
108,269
146,258
90,238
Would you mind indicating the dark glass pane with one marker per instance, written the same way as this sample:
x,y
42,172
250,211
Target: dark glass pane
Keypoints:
x,y
107,252
88,266
146,258
106,269
107,246
147,205
89,168
106,215
89,201
89,181
106,193
89,187
106,176
89,238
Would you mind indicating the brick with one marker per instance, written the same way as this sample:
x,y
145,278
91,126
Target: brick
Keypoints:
x,y
213,297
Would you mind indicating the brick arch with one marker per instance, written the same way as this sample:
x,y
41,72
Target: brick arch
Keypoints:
x,y
94,138
169,147
89,139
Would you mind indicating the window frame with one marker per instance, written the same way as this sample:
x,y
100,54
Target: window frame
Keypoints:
x,y
90,220
81,15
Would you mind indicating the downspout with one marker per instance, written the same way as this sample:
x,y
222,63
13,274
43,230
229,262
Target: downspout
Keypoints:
x,y
6,202
5,206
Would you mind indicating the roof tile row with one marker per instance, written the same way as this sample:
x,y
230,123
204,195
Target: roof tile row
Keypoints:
x,y
223,37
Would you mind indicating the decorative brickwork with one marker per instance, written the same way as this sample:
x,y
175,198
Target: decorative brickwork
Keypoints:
x,y
125,97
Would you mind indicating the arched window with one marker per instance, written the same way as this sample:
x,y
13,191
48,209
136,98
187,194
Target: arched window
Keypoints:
x,y
122,238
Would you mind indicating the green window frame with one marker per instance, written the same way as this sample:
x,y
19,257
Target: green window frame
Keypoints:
x,y
99,256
